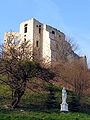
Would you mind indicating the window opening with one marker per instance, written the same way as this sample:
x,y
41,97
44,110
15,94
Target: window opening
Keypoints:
x,y
25,28
53,32
37,43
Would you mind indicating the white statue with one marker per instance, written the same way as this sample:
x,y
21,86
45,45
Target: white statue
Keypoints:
x,y
64,105
64,95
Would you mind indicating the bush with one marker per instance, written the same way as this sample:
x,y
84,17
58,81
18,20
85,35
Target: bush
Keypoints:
x,y
51,102
74,104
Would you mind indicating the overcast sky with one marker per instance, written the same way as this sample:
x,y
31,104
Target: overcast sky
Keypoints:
x,y
69,16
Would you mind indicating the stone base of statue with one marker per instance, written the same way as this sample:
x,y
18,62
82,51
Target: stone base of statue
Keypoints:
x,y
64,107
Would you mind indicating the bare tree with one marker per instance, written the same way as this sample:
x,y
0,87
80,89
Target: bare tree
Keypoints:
x,y
74,75
18,67
71,69
65,48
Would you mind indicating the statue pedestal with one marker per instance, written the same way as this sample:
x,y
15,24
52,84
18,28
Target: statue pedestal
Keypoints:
x,y
64,107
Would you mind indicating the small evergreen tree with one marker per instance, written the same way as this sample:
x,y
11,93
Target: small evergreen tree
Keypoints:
x,y
75,103
51,99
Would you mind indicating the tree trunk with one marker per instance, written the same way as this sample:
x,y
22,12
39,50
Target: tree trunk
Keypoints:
x,y
16,98
18,93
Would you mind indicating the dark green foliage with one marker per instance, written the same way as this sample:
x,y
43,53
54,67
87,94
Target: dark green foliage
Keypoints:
x,y
51,99
74,104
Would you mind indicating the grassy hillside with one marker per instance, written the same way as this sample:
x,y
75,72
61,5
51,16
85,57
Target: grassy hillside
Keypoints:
x,y
37,100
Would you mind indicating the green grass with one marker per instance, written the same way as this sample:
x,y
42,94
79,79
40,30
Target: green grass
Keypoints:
x,y
24,115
